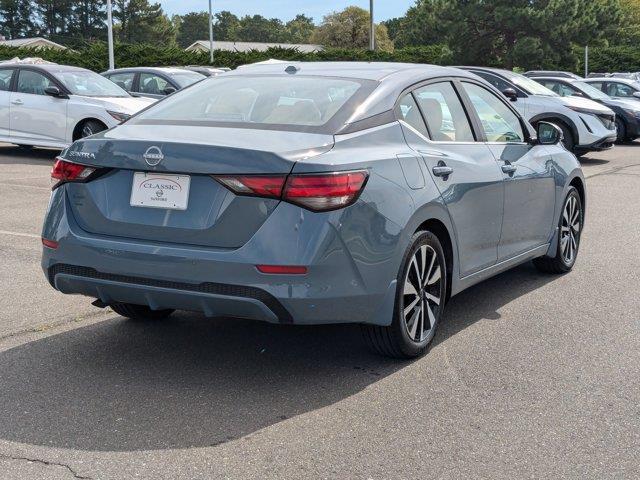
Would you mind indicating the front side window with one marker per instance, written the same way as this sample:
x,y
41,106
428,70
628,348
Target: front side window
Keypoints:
x,y
5,79
444,113
494,80
560,88
498,121
186,78
408,111
153,84
33,82
123,80
620,90
289,102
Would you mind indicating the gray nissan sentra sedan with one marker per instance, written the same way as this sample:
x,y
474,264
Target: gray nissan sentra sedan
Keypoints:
x,y
313,193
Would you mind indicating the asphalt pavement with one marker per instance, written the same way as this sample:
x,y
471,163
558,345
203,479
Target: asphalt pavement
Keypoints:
x,y
530,376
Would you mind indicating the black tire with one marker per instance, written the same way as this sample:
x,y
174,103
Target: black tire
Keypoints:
x,y
568,141
396,340
90,127
622,131
140,312
559,263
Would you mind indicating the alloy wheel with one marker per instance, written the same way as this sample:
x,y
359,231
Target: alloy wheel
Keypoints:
x,y
570,230
87,131
422,294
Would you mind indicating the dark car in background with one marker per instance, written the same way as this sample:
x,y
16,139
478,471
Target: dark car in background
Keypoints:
x,y
153,82
619,88
627,111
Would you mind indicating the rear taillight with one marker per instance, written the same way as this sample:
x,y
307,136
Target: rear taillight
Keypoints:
x,y
326,191
64,171
318,191
255,185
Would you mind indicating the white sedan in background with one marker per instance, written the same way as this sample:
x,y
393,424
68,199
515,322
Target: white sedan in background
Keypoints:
x,y
54,105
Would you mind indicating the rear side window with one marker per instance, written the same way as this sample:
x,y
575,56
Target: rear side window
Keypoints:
x,y
33,82
408,111
123,80
280,102
5,79
444,113
498,121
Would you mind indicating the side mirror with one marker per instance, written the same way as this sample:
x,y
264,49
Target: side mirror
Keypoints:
x,y
548,133
636,94
54,92
577,94
511,94
168,90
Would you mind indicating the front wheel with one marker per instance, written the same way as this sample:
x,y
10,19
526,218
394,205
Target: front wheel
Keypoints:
x,y
570,229
419,305
622,131
91,127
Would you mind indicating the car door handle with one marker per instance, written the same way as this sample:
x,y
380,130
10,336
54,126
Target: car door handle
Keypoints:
x,y
508,168
17,101
442,171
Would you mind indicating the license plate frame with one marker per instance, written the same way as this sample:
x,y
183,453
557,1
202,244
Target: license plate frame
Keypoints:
x,y
168,191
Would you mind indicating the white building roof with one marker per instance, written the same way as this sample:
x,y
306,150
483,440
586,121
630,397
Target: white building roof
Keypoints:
x,y
34,42
246,46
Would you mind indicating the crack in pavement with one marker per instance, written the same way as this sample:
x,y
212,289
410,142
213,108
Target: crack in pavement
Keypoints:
x,y
612,170
48,463
50,326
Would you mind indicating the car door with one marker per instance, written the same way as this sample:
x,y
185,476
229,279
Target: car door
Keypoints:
x,y
153,86
6,77
463,169
36,116
527,170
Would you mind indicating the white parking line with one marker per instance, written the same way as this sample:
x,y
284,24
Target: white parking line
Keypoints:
x,y
24,186
19,234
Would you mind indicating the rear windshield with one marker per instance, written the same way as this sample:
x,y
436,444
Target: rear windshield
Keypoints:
x,y
299,103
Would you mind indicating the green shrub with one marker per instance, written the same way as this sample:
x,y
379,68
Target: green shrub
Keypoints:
x,y
95,56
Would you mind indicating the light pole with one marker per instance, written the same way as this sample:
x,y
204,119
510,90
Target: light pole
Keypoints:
x,y
372,28
110,35
210,34
586,61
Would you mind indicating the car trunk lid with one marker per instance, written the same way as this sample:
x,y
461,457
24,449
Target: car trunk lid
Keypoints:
x,y
214,216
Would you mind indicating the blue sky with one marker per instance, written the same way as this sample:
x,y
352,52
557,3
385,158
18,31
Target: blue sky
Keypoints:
x,y
287,9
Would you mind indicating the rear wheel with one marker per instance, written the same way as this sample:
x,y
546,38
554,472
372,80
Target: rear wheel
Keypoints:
x,y
570,229
140,312
419,305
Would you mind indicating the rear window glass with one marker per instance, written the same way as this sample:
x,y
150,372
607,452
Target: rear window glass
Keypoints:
x,y
300,103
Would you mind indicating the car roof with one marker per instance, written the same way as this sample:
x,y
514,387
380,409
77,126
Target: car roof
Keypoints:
x,y
392,78
628,81
51,68
167,70
377,71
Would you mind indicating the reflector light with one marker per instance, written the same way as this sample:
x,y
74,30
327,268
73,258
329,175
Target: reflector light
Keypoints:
x,y
49,243
282,269
64,171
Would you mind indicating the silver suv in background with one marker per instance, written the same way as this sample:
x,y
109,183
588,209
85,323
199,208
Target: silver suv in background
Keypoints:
x,y
153,82
586,125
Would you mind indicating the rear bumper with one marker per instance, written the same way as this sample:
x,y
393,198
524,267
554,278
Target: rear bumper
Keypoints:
x,y
213,299
225,282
